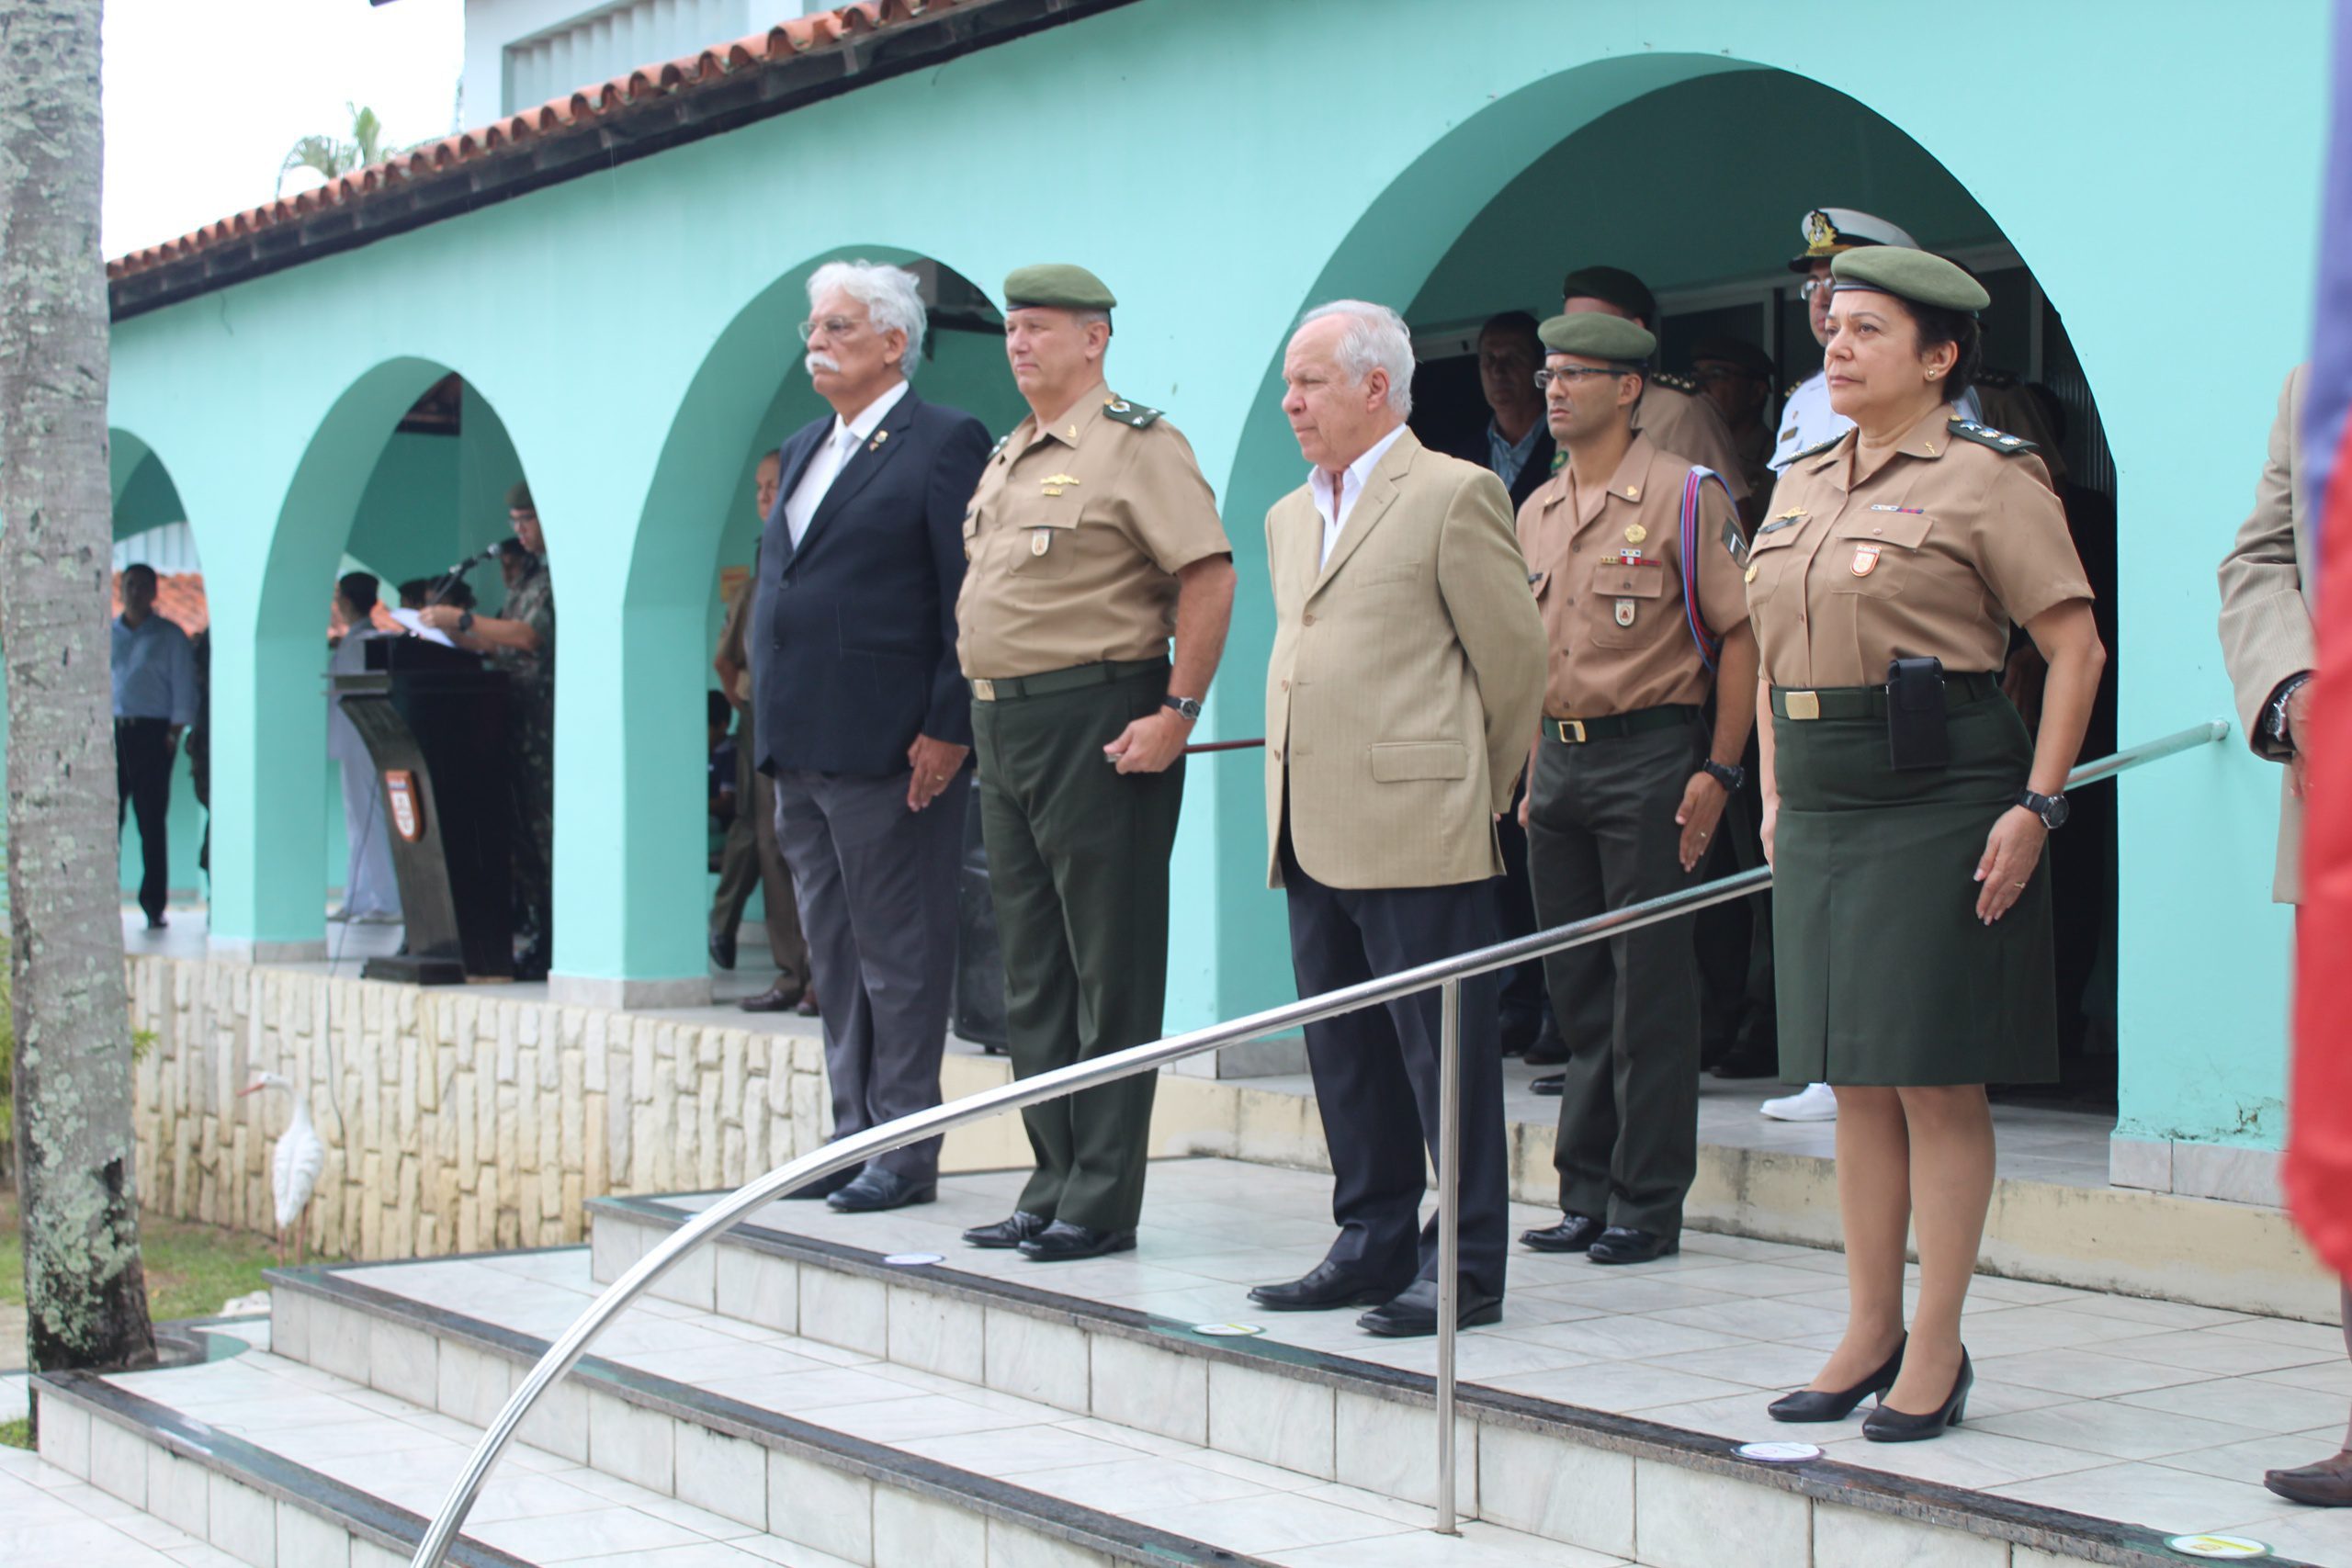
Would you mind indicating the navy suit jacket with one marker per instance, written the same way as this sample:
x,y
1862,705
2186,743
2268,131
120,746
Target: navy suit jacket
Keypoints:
x,y
854,632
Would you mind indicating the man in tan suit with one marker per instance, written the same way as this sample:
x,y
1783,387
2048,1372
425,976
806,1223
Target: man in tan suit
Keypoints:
x,y
1407,675
2267,644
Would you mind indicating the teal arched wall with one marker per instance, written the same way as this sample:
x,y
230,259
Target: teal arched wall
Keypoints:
x,y
1224,165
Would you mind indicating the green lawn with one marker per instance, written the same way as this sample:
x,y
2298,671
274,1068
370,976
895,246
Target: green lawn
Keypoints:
x,y
191,1268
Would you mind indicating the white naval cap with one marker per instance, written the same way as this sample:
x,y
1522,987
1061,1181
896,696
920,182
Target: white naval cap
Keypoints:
x,y
1829,230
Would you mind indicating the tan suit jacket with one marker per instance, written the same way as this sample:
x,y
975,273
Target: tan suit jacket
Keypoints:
x,y
1407,676
2266,611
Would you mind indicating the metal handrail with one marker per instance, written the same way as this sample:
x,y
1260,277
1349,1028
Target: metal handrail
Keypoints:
x,y
1446,973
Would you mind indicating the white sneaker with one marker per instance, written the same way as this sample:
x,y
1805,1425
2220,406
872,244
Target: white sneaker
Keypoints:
x,y
1814,1103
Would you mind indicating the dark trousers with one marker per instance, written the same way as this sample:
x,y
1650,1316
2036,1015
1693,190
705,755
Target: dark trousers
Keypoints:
x,y
876,883
1522,987
1077,871
751,857
142,783
1601,835
1376,1078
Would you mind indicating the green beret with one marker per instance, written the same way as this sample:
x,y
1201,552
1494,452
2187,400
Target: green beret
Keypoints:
x,y
1737,350
1616,286
518,498
1056,284
1599,336
1919,277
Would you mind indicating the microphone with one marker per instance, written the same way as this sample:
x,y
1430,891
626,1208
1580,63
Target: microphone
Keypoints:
x,y
456,574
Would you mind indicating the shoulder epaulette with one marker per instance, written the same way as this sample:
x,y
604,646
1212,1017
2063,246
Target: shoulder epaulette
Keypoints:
x,y
1001,442
2000,441
1669,378
1126,413
1817,448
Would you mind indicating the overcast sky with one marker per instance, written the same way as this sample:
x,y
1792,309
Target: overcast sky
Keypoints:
x,y
203,99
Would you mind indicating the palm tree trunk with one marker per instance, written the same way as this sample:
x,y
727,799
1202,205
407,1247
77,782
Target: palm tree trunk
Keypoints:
x,y
85,1290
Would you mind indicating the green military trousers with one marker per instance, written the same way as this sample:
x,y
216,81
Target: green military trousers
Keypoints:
x,y
1077,870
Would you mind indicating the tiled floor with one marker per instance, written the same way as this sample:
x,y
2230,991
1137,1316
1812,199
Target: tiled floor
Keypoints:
x,y
2143,1411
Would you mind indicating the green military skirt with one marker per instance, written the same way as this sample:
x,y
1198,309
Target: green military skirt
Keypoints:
x,y
1885,974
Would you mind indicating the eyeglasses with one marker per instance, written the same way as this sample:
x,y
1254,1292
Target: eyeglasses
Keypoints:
x,y
1813,286
1571,375
831,326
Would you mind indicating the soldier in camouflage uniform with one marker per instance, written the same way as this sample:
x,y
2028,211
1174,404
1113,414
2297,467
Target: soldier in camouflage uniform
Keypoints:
x,y
521,642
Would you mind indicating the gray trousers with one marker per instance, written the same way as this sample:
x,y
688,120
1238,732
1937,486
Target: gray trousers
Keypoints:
x,y
1600,835
876,887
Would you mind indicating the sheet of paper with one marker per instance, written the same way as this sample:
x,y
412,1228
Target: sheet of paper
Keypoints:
x,y
416,627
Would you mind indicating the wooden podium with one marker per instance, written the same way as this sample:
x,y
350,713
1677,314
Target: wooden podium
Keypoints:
x,y
434,721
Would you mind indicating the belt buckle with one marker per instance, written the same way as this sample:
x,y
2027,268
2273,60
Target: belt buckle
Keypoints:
x,y
1801,704
1571,730
983,691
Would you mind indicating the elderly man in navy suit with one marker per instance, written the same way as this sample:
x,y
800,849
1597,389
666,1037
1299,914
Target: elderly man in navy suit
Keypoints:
x,y
863,718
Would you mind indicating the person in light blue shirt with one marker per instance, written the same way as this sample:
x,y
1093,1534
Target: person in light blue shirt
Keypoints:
x,y
155,699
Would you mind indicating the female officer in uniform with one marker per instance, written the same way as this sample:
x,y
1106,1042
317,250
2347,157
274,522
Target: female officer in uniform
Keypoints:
x,y
1911,919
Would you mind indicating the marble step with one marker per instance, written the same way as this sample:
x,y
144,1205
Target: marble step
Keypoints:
x,y
871,1462
1311,1395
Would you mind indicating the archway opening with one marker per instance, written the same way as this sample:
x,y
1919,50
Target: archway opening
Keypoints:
x,y
1652,179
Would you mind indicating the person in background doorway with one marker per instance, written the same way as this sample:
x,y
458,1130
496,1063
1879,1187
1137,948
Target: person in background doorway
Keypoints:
x,y
1735,376
520,640
1516,446
1629,779
154,700
719,794
1672,415
370,894
864,721
1405,680
751,857
2269,647
1093,540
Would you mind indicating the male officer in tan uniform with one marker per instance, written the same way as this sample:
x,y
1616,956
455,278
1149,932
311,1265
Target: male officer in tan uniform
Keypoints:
x,y
2269,646
1628,780
1671,412
1092,539
1406,670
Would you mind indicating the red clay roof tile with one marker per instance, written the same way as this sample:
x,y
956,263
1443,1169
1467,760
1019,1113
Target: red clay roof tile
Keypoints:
x,y
796,36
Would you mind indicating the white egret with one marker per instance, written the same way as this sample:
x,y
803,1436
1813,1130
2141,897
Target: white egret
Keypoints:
x,y
294,1170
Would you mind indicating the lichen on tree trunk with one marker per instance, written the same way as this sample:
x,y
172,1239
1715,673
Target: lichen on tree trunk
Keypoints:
x,y
84,1290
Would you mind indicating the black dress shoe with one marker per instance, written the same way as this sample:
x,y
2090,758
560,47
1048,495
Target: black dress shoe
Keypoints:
x,y
1008,1233
824,1186
1574,1233
1547,1049
877,1188
778,998
723,949
1888,1424
1837,1404
1623,1244
1412,1313
1062,1242
1324,1286
1746,1062
1550,1083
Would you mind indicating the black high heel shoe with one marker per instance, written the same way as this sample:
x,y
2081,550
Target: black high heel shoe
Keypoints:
x,y
1888,1424
1835,1405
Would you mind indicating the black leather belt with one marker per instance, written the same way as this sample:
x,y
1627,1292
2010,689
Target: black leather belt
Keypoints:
x,y
1003,688
1581,731
1869,701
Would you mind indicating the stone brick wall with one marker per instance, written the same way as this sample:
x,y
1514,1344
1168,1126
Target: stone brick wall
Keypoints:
x,y
454,1119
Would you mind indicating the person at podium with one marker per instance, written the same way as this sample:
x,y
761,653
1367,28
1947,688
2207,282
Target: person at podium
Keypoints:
x,y
520,642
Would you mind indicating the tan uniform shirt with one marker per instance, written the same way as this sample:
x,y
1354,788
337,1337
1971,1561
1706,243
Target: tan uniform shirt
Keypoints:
x,y
1619,638
732,635
1931,556
1075,536
1677,421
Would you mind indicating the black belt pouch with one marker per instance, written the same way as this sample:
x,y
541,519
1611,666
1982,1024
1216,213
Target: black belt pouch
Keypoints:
x,y
1915,715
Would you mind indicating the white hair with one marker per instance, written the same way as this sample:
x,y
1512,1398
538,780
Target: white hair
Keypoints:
x,y
892,296
1375,339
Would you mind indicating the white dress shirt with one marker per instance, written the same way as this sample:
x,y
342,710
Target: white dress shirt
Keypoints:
x,y
1335,510
826,462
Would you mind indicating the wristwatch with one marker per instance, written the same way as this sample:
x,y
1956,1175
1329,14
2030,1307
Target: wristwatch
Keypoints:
x,y
1189,707
2274,716
2051,809
465,622
1730,775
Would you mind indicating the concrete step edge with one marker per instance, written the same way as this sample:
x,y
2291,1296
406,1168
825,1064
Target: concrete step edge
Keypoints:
x,y
1935,1505
76,1405
564,1428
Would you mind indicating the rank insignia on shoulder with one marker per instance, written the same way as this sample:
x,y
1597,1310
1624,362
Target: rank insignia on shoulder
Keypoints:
x,y
1734,542
1985,435
1001,442
1126,413
1818,448
1679,383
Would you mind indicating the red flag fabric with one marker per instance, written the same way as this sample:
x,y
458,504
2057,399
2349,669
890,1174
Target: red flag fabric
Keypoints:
x,y
2319,1140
